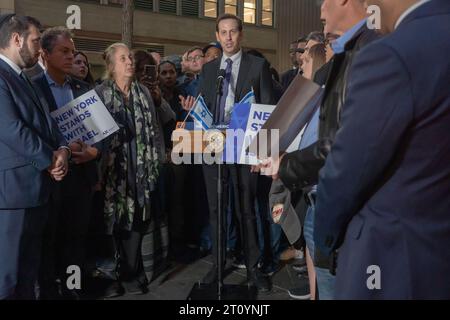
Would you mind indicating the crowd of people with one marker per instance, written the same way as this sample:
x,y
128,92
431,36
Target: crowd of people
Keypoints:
x,y
366,184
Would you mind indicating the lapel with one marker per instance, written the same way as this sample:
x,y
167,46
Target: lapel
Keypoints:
x,y
244,71
26,92
333,73
47,92
212,74
77,88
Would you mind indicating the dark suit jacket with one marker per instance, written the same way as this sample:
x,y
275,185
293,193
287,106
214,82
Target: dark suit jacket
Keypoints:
x,y
300,169
78,174
254,72
28,137
288,77
383,195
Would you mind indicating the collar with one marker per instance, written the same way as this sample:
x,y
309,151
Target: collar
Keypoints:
x,y
339,45
234,57
52,82
409,11
14,66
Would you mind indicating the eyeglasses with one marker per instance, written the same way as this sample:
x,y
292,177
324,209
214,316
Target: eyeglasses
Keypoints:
x,y
195,59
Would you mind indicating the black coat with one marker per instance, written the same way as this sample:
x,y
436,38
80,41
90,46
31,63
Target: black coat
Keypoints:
x,y
300,169
254,73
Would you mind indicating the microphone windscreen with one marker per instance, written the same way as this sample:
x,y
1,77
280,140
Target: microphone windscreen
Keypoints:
x,y
221,73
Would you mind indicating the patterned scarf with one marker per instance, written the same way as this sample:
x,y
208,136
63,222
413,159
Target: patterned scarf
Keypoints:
x,y
120,200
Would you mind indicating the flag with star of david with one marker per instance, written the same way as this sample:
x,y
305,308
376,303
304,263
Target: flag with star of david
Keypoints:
x,y
201,114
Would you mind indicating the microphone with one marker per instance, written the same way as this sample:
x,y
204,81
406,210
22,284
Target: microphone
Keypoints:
x,y
219,81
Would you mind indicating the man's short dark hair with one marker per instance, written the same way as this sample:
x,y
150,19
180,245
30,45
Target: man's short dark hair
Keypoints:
x,y
227,16
16,24
50,36
302,39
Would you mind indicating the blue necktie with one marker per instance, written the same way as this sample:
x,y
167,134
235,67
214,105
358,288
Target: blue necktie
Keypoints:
x,y
226,85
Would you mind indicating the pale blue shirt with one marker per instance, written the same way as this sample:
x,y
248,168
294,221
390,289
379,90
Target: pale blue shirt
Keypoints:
x,y
61,93
338,46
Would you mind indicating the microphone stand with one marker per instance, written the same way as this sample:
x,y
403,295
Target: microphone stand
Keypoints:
x,y
219,93
227,292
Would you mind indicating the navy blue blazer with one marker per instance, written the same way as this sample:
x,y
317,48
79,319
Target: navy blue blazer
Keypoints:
x,y
384,193
28,137
78,175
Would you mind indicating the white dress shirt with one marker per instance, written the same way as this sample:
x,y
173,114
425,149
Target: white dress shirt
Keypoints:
x,y
229,103
409,11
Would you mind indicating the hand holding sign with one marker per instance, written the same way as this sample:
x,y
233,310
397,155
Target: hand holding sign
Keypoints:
x,y
271,166
84,153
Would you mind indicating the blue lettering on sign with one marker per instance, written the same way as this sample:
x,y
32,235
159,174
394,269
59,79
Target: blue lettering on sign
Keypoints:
x,y
256,126
89,136
64,116
260,115
85,104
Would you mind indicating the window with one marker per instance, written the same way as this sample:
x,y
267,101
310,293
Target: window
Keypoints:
x,y
211,8
250,11
267,13
189,8
168,6
231,6
144,4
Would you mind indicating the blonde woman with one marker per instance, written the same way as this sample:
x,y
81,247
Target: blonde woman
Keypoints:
x,y
131,164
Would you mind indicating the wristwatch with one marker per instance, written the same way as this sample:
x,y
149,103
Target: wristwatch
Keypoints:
x,y
68,150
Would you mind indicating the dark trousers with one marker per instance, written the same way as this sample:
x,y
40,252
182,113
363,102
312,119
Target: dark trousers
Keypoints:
x,y
21,233
129,247
66,233
178,208
244,187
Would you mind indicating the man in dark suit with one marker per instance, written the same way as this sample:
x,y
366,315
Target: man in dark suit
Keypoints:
x,y
31,152
383,196
299,170
67,227
296,49
242,73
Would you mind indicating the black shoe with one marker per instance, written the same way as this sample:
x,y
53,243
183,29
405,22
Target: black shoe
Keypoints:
x,y
135,287
203,252
50,291
262,282
70,294
211,277
238,262
301,292
115,289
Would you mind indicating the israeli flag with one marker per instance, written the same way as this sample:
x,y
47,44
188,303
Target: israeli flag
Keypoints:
x,y
201,114
249,98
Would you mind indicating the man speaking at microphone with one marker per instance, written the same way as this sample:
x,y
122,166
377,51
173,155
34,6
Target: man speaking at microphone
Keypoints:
x,y
241,73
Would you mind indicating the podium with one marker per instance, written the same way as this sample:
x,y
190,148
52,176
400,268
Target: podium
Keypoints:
x,y
199,143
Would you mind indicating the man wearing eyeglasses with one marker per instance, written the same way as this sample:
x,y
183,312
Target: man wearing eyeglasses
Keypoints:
x,y
195,60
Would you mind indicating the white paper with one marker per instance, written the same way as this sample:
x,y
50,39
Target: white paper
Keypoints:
x,y
258,115
85,118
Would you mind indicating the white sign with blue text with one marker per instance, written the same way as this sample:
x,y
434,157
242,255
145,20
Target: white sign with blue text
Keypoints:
x,y
85,118
250,118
